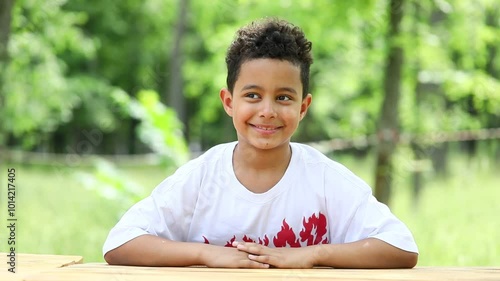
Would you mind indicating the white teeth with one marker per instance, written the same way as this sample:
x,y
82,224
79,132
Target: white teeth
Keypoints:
x,y
267,129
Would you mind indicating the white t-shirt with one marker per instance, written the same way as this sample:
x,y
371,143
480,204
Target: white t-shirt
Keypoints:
x,y
317,201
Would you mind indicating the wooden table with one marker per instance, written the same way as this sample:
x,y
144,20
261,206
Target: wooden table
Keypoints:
x,y
28,264
55,268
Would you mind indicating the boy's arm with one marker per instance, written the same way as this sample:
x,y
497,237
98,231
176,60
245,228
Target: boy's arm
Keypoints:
x,y
366,253
150,250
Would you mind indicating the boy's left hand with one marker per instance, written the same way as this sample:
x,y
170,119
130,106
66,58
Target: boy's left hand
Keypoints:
x,y
302,257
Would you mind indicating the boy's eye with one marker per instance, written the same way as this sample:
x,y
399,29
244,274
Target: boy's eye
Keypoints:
x,y
252,95
284,98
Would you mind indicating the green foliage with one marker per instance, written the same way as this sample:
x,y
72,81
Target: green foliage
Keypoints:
x,y
132,39
159,127
69,59
450,54
35,85
99,104
110,183
41,90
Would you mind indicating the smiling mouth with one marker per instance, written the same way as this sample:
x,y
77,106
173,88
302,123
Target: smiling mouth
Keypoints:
x,y
267,128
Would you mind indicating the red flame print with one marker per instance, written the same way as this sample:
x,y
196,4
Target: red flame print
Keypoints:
x,y
264,242
314,230
248,239
230,242
286,236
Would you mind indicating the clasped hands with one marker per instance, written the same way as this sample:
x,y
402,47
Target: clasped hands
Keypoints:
x,y
253,255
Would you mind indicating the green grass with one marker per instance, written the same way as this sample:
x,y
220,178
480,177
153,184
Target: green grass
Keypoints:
x,y
455,223
457,220
57,215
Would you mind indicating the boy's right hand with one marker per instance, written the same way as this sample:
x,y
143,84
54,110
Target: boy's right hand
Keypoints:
x,y
151,250
228,257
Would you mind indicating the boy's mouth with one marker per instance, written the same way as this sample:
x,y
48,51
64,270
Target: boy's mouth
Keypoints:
x,y
266,128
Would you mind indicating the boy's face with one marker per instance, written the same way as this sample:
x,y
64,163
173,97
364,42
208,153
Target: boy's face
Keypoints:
x,y
266,104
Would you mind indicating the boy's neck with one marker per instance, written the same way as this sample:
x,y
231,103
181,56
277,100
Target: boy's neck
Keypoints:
x,y
259,170
262,159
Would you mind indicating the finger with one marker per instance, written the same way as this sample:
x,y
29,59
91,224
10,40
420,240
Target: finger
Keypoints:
x,y
265,259
253,264
248,244
252,248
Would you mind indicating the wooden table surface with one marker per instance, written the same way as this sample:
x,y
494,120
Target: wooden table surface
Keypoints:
x,y
55,268
27,264
104,272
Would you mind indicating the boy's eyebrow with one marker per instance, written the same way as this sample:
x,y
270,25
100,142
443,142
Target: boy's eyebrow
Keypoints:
x,y
281,89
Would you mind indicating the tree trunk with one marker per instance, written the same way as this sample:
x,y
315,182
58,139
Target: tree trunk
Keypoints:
x,y
388,125
418,148
418,179
5,22
494,71
439,158
175,95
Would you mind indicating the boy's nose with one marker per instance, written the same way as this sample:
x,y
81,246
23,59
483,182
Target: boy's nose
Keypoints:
x,y
267,110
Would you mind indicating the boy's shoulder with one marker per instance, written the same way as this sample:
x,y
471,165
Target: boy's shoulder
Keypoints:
x,y
309,153
314,161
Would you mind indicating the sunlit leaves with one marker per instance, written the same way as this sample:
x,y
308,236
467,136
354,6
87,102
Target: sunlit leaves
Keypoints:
x,y
73,60
37,92
160,128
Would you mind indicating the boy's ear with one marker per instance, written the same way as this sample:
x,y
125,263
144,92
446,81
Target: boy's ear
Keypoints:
x,y
306,102
227,101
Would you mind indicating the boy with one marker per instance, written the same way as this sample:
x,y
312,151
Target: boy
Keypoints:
x,y
263,201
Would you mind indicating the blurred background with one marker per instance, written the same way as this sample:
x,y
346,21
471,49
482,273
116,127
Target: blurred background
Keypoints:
x,y
101,100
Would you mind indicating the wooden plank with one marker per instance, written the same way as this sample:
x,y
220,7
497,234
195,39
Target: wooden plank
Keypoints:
x,y
27,264
98,271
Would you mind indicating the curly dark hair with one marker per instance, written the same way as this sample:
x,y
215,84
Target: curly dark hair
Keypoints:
x,y
269,38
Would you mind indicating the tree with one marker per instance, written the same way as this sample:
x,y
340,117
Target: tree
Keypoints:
x,y
5,23
175,95
388,128
130,56
5,19
35,88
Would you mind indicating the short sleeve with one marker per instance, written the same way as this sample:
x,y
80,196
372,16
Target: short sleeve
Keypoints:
x,y
355,214
167,212
373,219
